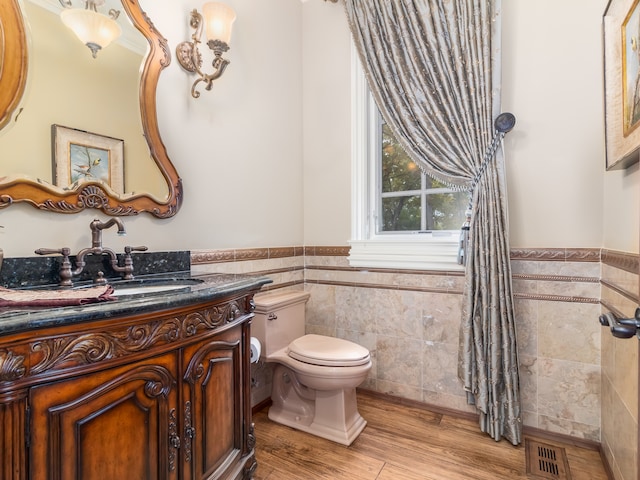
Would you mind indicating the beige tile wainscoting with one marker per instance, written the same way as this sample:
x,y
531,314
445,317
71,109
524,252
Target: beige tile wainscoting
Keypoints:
x,y
409,320
619,437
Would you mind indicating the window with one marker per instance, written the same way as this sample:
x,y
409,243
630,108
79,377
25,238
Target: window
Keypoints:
x,y
401,218
408,199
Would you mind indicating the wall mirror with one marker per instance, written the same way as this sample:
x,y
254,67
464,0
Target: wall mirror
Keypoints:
x,y
76,131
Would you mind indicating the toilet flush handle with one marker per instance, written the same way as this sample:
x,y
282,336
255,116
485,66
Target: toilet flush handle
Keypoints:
x,y
272,316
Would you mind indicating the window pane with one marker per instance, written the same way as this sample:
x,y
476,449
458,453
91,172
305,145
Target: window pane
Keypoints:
x,y
433,183
401,214
446,211
399,172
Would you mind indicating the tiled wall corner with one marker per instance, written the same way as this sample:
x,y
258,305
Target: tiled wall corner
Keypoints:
x,y
620,367
557,306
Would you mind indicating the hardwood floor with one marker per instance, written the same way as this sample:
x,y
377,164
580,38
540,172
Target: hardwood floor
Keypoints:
x,y
404,443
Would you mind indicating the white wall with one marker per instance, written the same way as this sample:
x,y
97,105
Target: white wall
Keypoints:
x,y
238,148
621,210
552,82
243,148
327,124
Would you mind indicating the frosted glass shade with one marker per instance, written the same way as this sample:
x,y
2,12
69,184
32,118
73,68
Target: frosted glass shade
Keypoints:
x,y
92,28
218,20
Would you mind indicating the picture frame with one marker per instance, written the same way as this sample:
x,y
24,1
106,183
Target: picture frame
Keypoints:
x,y
621,48
80,156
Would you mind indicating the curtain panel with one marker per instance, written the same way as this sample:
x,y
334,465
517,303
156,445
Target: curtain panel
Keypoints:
x,y
433,67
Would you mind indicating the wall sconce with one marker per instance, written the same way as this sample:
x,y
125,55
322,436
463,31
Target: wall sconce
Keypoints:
x,y
93,29
218,19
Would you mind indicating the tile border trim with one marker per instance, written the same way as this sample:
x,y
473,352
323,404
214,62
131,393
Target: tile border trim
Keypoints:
x,y
203,257
629,262
532,254
556,254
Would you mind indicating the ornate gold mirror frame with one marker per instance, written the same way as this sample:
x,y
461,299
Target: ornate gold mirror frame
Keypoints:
x,y
92,194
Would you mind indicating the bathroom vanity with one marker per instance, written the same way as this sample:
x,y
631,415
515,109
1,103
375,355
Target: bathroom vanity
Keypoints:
x,y
150,386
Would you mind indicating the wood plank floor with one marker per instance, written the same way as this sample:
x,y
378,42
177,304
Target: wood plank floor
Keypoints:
x,y
403,443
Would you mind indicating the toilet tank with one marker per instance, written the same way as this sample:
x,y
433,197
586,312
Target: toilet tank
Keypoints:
x,y
279,319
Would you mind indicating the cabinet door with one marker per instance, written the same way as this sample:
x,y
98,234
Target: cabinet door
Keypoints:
x,y
214,408
116,424
13,406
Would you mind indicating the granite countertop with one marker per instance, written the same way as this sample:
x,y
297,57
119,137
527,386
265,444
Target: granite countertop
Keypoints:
x,y
204,288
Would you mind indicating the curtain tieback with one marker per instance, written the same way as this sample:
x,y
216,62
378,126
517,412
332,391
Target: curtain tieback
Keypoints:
x,y
503,124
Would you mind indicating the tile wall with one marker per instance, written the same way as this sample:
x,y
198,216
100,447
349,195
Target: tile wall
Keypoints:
x,y
620,367
409,320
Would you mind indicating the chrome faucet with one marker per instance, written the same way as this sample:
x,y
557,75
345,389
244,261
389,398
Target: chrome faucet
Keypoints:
x,y
96,226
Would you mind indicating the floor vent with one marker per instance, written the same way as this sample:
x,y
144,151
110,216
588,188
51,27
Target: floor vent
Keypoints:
x,y
546,461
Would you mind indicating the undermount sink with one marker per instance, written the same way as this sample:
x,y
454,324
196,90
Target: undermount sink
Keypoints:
x,y
149,286
125,291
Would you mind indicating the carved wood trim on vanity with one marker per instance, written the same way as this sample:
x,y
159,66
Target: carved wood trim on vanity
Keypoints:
x,y
60,353
12,366
166,373
116,343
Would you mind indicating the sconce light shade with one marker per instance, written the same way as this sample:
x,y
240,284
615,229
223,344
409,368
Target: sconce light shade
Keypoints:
x,y
218,19
93,29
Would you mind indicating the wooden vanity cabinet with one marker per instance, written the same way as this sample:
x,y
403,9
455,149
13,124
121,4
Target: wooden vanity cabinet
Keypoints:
x,y
153,396
109,424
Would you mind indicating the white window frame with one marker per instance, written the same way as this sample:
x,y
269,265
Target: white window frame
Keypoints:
x,y
416,251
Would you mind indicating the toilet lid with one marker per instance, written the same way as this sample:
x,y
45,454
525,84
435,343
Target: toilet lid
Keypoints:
x,y
327,351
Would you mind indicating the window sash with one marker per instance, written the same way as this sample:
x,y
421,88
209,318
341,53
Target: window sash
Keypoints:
x,y
437,250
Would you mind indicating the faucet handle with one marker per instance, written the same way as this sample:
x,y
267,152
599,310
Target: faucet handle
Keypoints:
x,y
50,251
65,268
128,261
128,250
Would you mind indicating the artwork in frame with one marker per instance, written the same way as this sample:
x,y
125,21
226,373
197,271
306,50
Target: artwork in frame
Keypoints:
x,y
80,156
621,42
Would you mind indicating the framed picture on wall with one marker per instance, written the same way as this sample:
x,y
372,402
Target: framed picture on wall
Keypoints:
x,y
621,41
80,156
631,70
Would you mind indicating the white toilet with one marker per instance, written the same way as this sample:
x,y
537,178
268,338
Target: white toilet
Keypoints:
x,y
315,376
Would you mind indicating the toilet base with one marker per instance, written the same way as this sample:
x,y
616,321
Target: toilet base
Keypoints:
x,y
332,428
331,414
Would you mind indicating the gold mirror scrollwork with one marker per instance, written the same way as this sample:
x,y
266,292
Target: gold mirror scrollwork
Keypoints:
x,y
13,59
90,194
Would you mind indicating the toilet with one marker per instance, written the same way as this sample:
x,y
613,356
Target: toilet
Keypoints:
x,y
314,376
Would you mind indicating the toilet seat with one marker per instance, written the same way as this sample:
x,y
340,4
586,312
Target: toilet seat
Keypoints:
x,y
327,351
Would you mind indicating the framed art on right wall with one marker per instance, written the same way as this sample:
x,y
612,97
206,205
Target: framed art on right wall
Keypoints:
x,y
621,42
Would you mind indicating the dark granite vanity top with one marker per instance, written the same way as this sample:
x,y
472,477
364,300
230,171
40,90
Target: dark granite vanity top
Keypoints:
x,y
201,288
213,286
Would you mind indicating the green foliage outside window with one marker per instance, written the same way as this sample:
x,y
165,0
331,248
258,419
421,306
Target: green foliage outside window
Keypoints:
x,y
403,187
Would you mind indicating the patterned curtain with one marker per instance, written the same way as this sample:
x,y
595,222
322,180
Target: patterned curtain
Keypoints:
x,y
433,67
